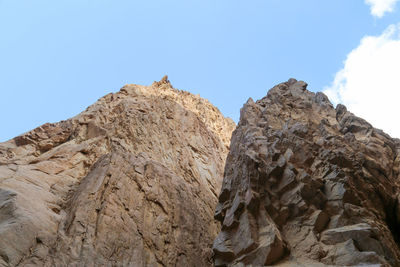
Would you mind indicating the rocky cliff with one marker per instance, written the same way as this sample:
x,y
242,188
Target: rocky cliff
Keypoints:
x,y
136,178
306,184
131,181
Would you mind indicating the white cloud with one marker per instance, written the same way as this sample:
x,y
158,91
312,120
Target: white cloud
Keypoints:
x,y
380,7
369,83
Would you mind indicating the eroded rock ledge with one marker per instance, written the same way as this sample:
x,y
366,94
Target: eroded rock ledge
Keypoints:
x,y
307,185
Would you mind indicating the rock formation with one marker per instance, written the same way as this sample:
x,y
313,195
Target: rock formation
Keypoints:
x,y
306,184
134,181
131,181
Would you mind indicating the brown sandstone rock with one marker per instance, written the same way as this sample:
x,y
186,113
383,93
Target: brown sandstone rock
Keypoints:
x,y
131,181
308,185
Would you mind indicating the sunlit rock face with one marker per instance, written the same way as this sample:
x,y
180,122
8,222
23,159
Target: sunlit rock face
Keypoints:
x,y
134,180
306,184
131,181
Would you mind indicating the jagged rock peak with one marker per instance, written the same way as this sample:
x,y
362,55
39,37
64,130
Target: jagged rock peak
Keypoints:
x,y
306,184
131,181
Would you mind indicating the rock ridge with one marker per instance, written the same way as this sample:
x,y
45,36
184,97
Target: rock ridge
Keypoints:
x,y
307,184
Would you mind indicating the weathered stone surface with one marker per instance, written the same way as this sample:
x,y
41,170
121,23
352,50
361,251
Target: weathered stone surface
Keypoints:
x,y
316,185
131,181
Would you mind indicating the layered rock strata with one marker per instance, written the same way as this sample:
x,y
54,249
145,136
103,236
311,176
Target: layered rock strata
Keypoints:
x,y
131,181
306,184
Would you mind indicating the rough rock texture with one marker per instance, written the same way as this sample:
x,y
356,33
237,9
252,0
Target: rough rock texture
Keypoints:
x,y
131,181
306,184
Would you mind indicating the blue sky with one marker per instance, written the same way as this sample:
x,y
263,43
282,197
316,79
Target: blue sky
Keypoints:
x,y
58,57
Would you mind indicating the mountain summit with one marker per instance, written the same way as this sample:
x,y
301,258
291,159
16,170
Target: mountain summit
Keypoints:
x,y
131,181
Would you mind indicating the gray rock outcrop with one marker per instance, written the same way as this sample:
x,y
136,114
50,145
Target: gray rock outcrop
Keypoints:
x,y
306,184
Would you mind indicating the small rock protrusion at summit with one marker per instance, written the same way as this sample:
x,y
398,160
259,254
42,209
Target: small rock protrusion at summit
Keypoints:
x,y
164,81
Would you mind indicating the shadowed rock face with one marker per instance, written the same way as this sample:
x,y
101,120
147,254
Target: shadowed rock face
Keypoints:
x,y
306,184
131,181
